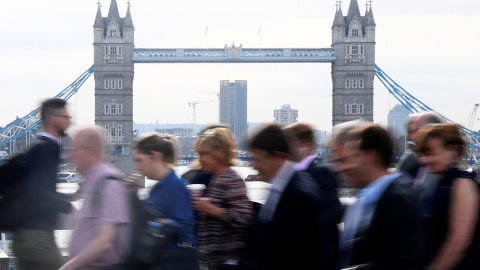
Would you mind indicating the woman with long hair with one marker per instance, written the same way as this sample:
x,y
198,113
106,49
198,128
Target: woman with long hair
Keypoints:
x,y
169,199
452,235
225,212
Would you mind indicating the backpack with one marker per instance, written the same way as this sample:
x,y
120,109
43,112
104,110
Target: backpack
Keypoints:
x,y
12,174
145,246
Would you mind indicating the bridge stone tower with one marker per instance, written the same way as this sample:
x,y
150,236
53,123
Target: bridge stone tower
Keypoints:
x,y
113,72
353,38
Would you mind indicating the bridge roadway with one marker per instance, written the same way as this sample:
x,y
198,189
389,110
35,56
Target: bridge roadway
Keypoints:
x,y
234,55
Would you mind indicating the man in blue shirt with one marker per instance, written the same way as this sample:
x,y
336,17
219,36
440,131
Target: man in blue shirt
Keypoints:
x,y
383,229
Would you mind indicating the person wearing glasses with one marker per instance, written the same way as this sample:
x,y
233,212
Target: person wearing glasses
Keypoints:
x,y
225,213
34,241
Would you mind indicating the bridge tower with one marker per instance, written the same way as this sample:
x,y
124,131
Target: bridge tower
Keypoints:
x,y
113,71
353,38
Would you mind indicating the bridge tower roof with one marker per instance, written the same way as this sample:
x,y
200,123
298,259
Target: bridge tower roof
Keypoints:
x,y
353,10
113,12
99,19
128,22
339,20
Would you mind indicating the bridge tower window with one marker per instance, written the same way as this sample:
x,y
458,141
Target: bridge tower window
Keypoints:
x,y
354,84
120,84
113,32
107,84
113,50
355,32
114,84
354,109
107,109
347,84
361,83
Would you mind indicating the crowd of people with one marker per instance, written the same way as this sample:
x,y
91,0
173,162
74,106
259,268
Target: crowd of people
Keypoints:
x,y
423,216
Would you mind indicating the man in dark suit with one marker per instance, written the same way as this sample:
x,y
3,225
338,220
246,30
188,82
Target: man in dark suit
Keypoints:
x,y
34,241
288,227
383,229
302,150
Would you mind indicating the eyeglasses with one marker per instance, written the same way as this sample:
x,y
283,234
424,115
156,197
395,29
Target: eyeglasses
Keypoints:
x,y
68,117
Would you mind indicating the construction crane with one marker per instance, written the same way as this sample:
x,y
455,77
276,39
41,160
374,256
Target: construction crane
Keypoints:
x,y
194,104
211,92
472,116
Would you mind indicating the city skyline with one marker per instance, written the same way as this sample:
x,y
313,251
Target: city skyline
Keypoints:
x,y
417,45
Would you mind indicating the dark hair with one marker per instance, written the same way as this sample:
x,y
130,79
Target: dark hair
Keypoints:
x,y
270,139
374,137
51,107
154,142
302,132
449,134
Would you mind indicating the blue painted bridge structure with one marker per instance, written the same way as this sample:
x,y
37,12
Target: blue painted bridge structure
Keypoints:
x,y
234,54
23,125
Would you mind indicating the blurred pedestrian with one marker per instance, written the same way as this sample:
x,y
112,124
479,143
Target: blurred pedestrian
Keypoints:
x,y
225,212
101,231
288,230
409,162
452,228
302,149
383,229
196,175
155,154
34,241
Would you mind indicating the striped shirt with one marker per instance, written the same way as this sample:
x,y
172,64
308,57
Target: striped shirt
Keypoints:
x,y
226,240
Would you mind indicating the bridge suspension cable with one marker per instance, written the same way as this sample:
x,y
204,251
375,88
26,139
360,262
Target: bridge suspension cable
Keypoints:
x,y
414,106
21,126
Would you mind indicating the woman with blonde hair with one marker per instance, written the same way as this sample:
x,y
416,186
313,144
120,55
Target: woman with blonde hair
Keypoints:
x,y
225,212
452,235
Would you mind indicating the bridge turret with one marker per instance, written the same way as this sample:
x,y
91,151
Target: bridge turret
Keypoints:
x,y
370,26
98,25
338,27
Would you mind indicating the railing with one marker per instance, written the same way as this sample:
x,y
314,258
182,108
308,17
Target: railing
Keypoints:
x,y
233,55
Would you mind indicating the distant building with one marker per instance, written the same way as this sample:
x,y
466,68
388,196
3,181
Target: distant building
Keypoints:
x,y
177,132
233,106
286,115
397,118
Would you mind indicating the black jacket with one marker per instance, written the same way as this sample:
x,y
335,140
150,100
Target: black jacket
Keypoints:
x,y
331,212
394,239
293,238
42,202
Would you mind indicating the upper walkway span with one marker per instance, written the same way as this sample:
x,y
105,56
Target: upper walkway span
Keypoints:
x,y
234,55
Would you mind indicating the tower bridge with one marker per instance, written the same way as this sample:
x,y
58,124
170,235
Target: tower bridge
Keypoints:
x,y
351,54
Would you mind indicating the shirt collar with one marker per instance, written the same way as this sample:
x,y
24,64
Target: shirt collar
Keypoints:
x,y
304,163
373,191
282,177
50,136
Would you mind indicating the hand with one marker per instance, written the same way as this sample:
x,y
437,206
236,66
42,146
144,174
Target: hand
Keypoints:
x,y
132,181
201,204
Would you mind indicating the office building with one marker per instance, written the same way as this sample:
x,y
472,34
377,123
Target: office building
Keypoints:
x,y
286,115
233,106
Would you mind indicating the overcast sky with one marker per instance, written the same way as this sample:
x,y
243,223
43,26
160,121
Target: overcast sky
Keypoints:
x,y
429,47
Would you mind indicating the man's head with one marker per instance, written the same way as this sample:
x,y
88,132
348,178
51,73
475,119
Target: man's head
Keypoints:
x,y
420,120
269,148
301,140
339,135
55,117
367,154
88,147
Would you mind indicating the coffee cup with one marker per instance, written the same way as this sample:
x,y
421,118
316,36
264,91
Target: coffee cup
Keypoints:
x,y
196,190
